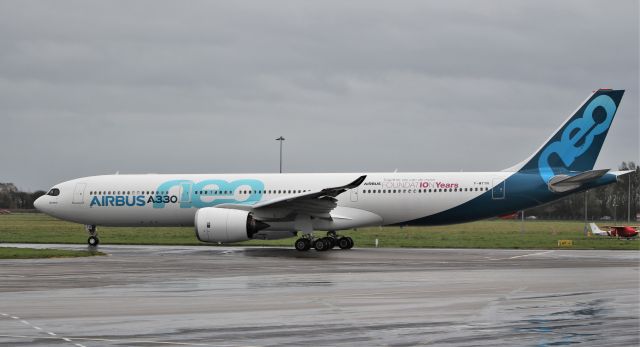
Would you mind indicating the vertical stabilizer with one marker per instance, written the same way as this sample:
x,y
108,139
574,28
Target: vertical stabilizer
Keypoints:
x,y
575,146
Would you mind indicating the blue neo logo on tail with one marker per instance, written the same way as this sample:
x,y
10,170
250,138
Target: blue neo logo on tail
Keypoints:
x,y
578,136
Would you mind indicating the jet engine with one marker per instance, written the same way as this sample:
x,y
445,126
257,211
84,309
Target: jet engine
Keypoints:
x,y
225,225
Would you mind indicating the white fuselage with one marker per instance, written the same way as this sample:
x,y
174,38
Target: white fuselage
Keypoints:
x,y
173,199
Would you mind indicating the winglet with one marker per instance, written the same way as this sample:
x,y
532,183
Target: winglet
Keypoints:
x,y
351,185
356,183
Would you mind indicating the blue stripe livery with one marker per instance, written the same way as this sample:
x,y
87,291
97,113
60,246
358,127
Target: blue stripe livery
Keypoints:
x,y
574,148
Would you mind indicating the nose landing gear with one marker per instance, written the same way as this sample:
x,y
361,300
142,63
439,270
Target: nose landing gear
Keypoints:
x,y
93,239
324,243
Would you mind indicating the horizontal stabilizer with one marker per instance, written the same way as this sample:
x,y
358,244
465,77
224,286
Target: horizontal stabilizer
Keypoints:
x,y
563,183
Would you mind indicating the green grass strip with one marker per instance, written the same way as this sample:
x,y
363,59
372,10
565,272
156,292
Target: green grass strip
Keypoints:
x,y
40,228
32,253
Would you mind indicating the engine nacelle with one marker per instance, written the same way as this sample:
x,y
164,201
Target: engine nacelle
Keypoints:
x,y
225,225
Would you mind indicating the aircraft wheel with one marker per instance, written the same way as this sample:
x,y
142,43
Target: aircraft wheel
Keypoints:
x,y
330,241
344,243
302,245
321,245
351,243
93,241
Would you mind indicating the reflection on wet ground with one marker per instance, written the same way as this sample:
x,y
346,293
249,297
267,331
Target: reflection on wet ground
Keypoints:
x,y
212,296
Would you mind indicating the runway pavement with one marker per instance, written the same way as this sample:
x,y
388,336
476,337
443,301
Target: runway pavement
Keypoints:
x,y
214,296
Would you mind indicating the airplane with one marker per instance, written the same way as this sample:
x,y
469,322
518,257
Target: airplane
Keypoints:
x,y
614,231
228,208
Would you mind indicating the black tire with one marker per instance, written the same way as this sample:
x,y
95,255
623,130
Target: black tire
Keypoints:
x,y
302,245
331,242
344,243
320,245
93,241
350,242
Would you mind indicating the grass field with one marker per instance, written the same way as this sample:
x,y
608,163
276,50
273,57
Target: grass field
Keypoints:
x,y
40,228
30,253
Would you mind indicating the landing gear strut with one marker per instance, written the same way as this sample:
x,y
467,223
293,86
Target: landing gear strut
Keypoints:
x,y
93,239
323,243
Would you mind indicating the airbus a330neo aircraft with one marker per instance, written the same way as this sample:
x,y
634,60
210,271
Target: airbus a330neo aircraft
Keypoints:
x,y
229,208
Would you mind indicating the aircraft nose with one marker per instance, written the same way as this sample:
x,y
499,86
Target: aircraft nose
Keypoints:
x,y
38,203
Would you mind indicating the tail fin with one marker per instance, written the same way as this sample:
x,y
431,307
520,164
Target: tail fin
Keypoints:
x,y
576,144
594,229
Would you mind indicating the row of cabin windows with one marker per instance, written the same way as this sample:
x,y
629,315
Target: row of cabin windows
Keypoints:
x,y
197,192
385,191
127,192
227,192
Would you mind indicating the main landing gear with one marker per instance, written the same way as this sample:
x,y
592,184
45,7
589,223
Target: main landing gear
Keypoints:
x,y
93,239
324,243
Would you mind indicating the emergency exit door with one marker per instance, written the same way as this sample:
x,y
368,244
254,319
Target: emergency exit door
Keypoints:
x,y
78,193
354,194
498,192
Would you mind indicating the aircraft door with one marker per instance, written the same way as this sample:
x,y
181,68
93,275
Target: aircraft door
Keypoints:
x,y
354,194
78,193
498,191
185,193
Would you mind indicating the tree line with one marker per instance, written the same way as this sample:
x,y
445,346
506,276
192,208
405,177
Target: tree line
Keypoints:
x,y
605,202
14,199
608,201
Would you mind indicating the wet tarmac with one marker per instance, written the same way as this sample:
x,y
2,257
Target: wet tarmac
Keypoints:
x,y
212,296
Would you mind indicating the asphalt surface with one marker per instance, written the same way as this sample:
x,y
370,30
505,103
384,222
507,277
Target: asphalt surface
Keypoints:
x,y
212,296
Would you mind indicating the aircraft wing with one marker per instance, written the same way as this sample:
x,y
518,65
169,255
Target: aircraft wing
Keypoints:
x,y
314,203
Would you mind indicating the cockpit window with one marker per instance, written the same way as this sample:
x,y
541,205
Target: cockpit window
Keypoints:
x,y
54,192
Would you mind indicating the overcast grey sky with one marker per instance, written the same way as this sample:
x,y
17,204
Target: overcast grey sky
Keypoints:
x,y
95,87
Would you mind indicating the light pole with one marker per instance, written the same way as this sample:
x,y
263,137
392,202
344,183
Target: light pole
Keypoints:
x,y
586,219
281,139
629,202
